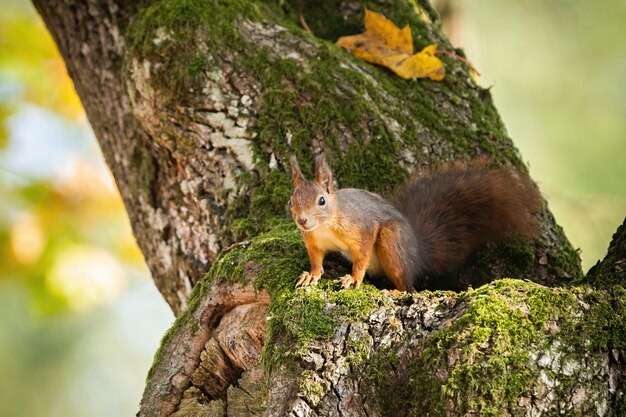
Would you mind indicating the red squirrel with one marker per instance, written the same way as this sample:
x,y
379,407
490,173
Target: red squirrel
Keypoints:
x,y
435,223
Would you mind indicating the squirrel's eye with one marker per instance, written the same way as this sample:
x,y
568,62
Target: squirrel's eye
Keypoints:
x,y
321,201
289,202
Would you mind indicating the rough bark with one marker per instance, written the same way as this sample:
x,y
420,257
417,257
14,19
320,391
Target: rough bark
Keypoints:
x,y
511,347
197,106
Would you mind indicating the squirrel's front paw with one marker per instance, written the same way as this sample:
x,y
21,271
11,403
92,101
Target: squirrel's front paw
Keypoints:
x,y
348,281
306,279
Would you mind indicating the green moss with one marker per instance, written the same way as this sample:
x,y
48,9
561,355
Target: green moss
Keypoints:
x,y
311,385
301,106
179,19
260,205
488,378
303,315
304,108
172,33
272,262
314,313
358,351
481,363
604,326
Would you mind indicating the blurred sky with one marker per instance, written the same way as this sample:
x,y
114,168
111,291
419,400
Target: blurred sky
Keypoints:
x,y
81,317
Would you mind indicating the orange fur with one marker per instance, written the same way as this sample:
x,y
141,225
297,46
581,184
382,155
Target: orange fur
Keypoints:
x,y
389,251
438,220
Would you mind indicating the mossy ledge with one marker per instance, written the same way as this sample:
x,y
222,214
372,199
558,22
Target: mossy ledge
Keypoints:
x,y
510,347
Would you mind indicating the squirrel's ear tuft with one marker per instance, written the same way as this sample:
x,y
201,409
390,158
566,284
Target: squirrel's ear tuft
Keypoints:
x,y
323,174
298,178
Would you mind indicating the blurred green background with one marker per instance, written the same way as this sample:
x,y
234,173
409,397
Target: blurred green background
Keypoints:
x,y
557,68
81,319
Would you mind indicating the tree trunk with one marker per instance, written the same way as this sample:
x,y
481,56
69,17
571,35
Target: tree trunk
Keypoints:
x,y
197,106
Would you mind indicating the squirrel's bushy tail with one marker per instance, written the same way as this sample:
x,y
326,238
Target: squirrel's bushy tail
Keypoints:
x,y
465,205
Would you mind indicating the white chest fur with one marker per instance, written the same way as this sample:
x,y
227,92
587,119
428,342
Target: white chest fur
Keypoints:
x,y
327,240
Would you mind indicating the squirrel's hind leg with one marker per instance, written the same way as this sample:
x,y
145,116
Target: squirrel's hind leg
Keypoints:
x,y
388,251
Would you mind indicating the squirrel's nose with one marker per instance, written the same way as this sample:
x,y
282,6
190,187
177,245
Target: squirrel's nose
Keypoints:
x,y
302,221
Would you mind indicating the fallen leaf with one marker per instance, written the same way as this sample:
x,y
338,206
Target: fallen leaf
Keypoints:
x,y
421,64
385,44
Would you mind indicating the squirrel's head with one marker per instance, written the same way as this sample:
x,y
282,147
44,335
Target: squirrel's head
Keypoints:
x,y
312,203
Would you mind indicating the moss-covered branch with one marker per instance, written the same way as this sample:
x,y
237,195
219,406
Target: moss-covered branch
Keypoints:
x,y
510,347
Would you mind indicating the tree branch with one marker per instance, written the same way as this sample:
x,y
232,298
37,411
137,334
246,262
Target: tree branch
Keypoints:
x,y
510,347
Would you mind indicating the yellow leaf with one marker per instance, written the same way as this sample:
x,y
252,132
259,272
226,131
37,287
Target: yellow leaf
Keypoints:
x,y
385,44
424,63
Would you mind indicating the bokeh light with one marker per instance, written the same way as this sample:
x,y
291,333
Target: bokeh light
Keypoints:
x,y
81,316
